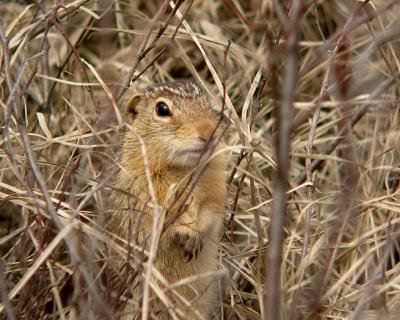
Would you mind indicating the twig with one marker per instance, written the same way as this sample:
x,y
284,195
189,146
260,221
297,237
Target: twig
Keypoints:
x,y
76,45
4,294
314,124
278,215
71,46
356,23
316,164
13,106
144,50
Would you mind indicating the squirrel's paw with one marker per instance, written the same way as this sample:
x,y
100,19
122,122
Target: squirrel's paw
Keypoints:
x,y
190,240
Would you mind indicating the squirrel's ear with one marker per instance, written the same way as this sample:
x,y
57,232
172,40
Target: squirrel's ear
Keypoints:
x,y
131,109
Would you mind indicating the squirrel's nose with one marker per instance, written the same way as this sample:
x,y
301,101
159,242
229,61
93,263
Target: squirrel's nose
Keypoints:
x,y
205,129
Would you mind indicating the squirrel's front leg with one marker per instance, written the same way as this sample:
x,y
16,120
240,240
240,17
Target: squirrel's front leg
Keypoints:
x,y
187,232
195,227
189,239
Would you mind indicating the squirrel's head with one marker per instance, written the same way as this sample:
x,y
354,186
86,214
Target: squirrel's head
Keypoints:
x,y
174,120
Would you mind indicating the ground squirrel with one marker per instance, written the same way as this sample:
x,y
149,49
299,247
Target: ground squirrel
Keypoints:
x,y
171,139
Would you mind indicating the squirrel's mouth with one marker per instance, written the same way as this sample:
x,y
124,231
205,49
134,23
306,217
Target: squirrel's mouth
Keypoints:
x,y
196,152
191,155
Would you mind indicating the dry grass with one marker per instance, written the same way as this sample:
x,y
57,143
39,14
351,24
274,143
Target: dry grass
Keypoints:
x,y
311,90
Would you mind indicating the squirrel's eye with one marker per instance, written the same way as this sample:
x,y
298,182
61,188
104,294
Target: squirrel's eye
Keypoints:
x,y
163,110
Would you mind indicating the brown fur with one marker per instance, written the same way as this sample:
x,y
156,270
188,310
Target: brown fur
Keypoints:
x,y
195,233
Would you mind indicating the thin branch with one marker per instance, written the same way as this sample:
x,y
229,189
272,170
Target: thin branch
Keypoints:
x,y
316,164
278,215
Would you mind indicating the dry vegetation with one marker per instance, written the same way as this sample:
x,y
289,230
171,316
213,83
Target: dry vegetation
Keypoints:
x,y
310,90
